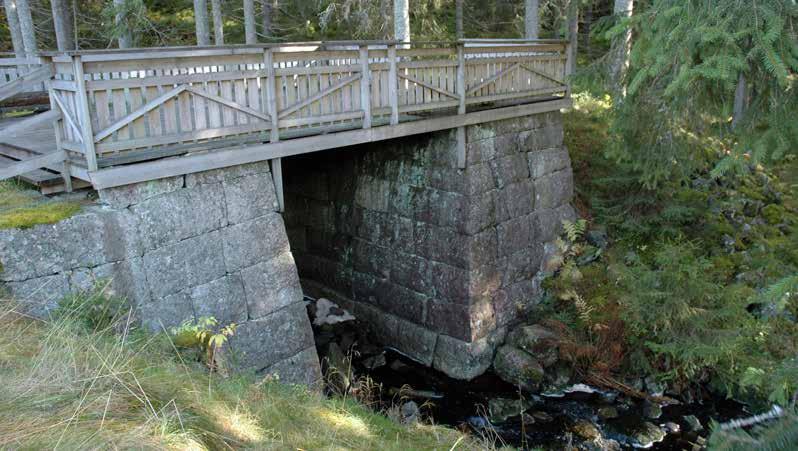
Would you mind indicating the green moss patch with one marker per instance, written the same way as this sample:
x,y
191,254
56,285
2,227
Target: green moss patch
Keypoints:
x,y
49,213
22,207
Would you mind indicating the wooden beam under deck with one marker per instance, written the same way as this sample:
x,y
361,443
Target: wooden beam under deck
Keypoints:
x,y
152,170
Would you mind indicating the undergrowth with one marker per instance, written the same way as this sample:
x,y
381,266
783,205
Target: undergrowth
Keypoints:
x,y
82,382
698,283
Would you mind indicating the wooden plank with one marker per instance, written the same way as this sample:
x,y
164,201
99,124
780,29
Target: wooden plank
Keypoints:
x,y
306,102
271,95
25,125
429,86
83,114
393,86
516,95
490,80
124,175
65,114
229,103
32,164
365,86
139,112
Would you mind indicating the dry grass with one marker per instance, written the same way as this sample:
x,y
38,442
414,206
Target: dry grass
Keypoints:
x,y
64,386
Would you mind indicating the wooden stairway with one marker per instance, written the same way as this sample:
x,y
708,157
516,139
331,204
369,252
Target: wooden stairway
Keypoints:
x,y
28,150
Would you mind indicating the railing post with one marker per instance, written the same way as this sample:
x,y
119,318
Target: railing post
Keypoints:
x,y
84,116
569,68
393,84
461,108
271,106
365,86
57,127
271,94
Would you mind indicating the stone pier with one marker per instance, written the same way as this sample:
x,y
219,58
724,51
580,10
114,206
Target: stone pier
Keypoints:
x,y
209,244
437,260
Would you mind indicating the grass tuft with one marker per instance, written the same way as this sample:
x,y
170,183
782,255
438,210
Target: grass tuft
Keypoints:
x,y
68,386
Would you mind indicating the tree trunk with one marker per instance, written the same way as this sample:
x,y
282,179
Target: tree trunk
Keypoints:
x,y
201,22
13,26
587,23
531,19
218,22
250,34
26,27
125,35
621,47
401,20
740,100
267,17
458,19
64,28
573,35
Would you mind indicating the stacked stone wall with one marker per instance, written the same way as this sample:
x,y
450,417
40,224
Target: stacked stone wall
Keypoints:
x,y
210,244
439,260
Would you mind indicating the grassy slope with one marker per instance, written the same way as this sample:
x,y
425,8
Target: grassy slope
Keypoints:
x,y
22,207
62,385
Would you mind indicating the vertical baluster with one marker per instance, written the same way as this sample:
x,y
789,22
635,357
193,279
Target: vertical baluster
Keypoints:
x,y
393,95
365,86
461,109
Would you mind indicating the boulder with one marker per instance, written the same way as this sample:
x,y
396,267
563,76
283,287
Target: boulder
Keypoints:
x,y
586,430
536,340
608,413
501,409
517,367
646,435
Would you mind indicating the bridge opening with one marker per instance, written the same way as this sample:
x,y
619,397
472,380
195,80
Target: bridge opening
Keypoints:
x,y
435,258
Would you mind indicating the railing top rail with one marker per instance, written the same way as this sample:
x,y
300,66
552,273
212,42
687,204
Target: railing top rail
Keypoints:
x,y
12,61
170,52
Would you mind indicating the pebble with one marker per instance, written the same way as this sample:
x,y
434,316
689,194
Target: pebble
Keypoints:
x,y
652,410
409,412
608,413
693,423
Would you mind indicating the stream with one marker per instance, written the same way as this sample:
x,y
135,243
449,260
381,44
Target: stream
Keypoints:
x,y
576,417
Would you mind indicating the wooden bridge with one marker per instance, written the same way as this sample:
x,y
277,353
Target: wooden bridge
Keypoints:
x,y
126,116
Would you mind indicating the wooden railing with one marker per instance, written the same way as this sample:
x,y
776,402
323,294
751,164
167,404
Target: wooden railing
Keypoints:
x,y
21,75
128,106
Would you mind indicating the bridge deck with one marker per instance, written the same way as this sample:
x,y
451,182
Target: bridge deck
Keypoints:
x,y
124,111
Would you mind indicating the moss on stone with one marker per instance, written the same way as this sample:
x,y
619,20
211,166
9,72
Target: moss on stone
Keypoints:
x,y
22,207
773,214
49,213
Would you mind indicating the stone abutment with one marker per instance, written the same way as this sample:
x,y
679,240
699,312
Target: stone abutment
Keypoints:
x,y
437,260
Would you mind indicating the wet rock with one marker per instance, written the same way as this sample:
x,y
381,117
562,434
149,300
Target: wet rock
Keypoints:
x,y
517,367
609,396
536,340
399,366
527,419
692,423
654,387
646,435
542,416
597,238
671,427
328,312
374,362
586,430
500,409
651,410
409,412
608,413
478,423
